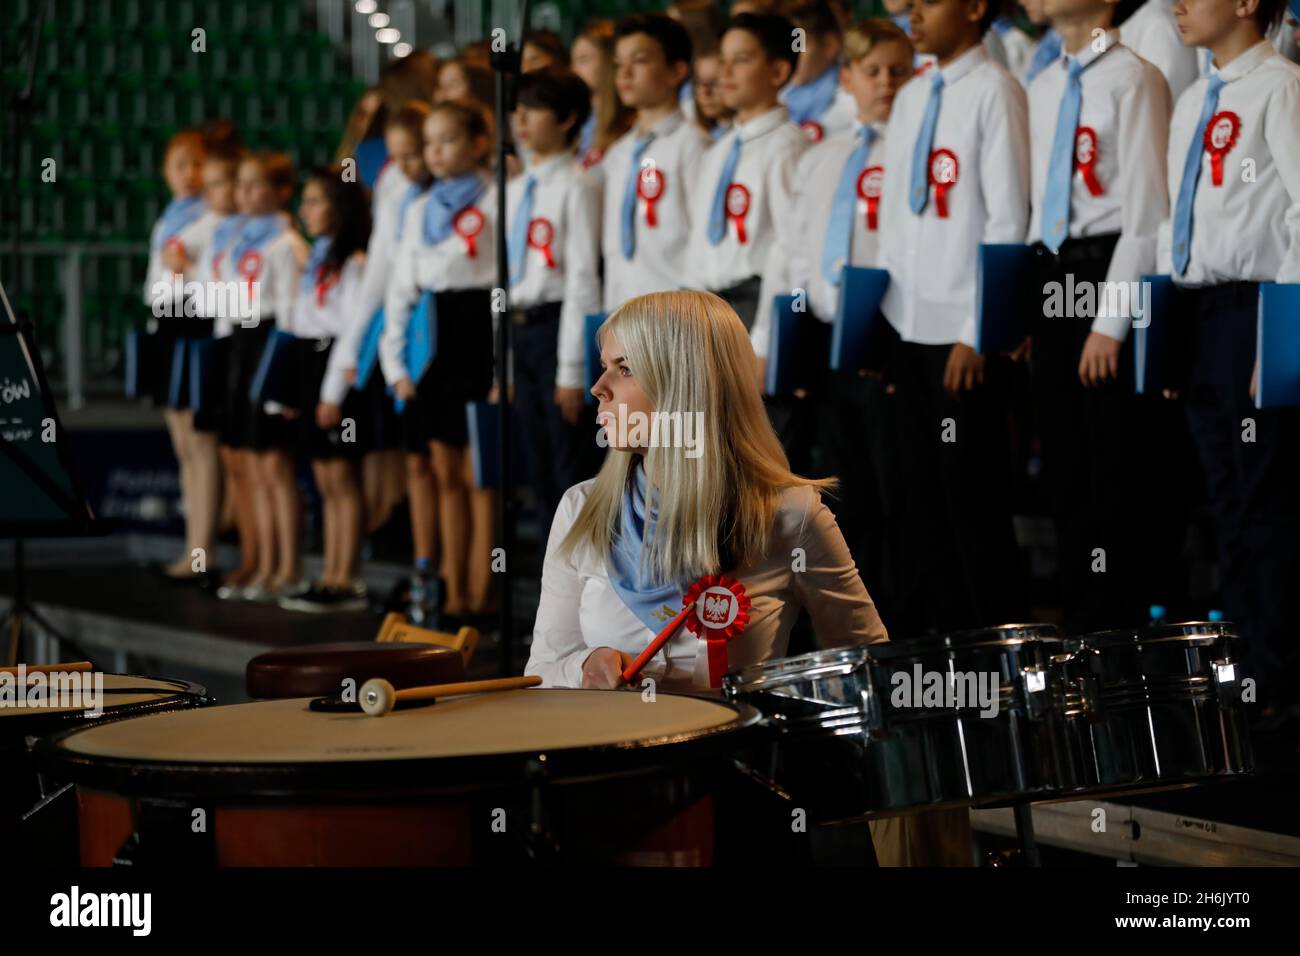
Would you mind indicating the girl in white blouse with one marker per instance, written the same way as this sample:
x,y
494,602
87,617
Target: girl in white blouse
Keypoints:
x,y
722,499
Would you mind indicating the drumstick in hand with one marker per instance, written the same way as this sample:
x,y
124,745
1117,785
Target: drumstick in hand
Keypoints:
x,y
654,647
378,696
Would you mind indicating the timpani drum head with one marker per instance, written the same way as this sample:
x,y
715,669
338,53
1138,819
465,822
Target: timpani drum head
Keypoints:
x,y
125,695
468,741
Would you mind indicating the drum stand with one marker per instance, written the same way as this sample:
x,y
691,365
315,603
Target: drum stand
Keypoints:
x,y
1024,814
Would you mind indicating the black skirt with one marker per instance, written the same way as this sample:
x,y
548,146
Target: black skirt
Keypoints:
x,y
243,352
347,440
462,369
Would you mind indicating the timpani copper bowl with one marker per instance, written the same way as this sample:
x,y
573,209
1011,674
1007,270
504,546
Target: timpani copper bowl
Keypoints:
x,y
570,775
321,670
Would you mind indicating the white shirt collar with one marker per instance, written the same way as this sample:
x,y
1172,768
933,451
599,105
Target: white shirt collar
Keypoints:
x,y
762,124
1245,62
550,167
1089,53
959,67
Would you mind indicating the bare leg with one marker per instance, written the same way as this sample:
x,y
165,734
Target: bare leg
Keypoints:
x,y
324,484
374,484
287,515
349,514
179,433
207,495
240,495
481,506
453,523
423,496
264,507
394,479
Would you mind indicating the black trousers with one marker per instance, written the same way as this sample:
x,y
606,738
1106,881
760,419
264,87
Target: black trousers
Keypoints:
x,y
1087,438
1251,461
961,564
743,297
559,454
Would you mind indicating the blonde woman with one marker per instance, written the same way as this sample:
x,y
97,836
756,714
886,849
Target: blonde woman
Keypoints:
x,y
722,499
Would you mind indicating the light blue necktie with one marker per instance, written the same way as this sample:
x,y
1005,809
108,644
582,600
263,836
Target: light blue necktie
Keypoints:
x,y
1191,172
718,214
1049,48
629,196
924,140
839,233
519,231
1059,186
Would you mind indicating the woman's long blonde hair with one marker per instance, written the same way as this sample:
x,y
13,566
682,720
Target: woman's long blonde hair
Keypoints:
x,y
690,353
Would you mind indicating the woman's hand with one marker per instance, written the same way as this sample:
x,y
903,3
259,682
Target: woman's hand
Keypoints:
x,y
350,376
570,402
328,416
405,390
603,669
965,369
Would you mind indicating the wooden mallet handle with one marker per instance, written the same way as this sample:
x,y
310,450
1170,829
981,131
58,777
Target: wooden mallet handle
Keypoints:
x,y
50,668
662,638
378,696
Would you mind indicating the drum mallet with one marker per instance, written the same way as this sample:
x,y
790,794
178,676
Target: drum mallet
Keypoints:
x,y
653,648
378,696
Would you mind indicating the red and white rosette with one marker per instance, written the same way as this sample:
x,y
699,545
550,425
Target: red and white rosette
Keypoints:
x,y
1085,158
813,130
721,612
540,236
943,176
870,182
737,202
468,224
650,187
324,283
1220,136
174,244
250,267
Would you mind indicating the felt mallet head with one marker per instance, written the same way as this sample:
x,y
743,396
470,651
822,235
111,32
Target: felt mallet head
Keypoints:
x,y
377,697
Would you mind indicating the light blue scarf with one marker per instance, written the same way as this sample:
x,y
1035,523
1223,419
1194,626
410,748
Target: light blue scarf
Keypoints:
x,y
319,250
447,197
255,232
810,101
178,214
643,597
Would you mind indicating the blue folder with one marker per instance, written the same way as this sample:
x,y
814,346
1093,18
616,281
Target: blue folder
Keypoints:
x,y
421,341
591,354
1158,357
204,371
783,346
859,323
484,444
368,354
1000,320
178,393
276,378
1278,345
134,340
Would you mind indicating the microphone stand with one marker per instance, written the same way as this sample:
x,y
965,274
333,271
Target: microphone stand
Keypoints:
x,y
506,65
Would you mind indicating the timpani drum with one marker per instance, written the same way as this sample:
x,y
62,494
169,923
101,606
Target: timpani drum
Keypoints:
x,y
21,723
566,774
847,738
1154,706
324,670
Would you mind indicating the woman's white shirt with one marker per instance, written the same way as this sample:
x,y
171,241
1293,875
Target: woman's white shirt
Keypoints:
x,y
808,565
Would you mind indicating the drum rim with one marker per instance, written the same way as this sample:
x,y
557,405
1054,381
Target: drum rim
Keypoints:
x,y
780,671
1159,633
37,719
1001,635
328,780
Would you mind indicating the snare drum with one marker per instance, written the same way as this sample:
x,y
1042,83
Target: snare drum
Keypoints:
x,y
853,733
21,788
574,774
1154,706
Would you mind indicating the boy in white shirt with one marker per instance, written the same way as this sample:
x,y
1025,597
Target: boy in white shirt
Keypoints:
x,y
553,241
647,216
1098,120
1233,225
956,175
1152,34
817,103
746,178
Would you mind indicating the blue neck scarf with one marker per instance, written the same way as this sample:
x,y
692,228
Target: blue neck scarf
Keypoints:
x,y
810,101
319,250
447,197
903,21
653,603
255,232
227,229
586,135
178,214
413,192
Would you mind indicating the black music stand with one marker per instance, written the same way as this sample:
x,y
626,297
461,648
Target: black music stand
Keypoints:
x,y
40,496
506,65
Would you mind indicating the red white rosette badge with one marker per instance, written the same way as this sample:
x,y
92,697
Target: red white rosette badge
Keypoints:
x,y
324,283
1085,158
721,612
250,267
540,236
650,187
468,224
738,208
813,130
1220,136
870,182
943,176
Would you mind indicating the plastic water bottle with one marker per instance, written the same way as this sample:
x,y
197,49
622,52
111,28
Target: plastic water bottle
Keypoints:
x,y
419,609
1216,616
1157,612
